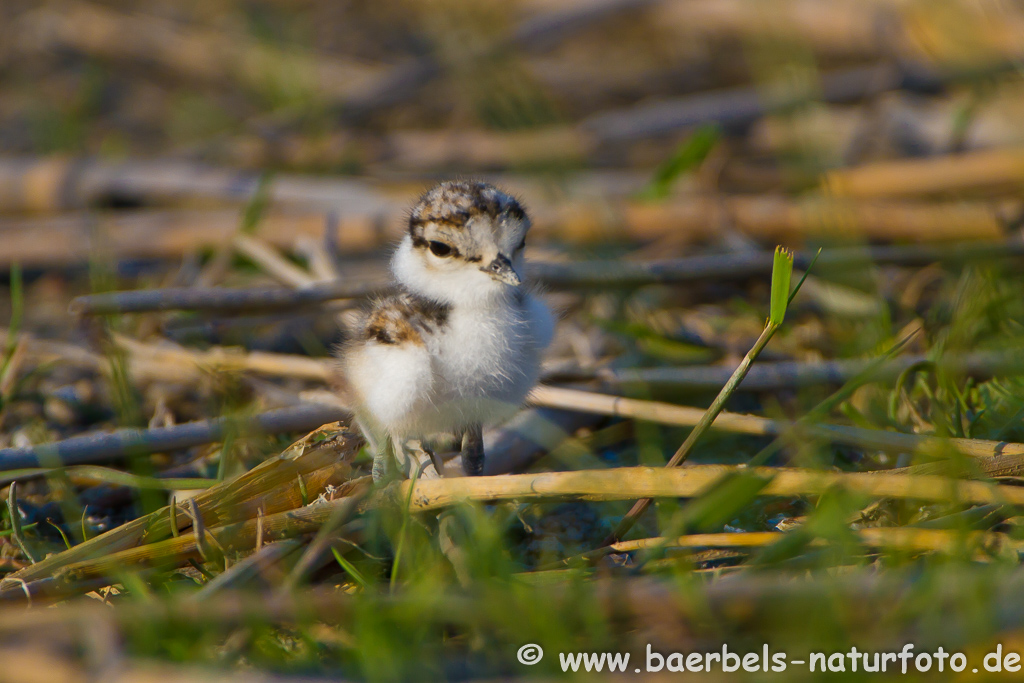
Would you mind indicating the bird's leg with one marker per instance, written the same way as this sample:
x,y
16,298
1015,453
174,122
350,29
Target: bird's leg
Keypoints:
x,y
473,451
379,444
438,462
383,462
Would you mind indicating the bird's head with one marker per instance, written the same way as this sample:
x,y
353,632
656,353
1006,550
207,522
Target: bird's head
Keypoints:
x,y
465,243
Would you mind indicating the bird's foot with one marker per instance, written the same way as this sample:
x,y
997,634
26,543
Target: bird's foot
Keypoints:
x,y
383,468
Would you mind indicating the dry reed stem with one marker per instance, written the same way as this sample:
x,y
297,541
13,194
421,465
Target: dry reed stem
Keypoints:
x,y
272,262
168,362
895,538
665,413
658,482
774,375
985,171
222,299
135,443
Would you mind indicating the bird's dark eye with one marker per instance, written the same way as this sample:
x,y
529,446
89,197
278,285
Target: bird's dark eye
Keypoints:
x,y
522,245
440,249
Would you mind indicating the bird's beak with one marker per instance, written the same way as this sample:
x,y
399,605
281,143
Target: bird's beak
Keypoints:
x,y
501,269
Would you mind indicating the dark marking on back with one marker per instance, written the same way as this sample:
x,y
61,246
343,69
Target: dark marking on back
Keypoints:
x,y
404,317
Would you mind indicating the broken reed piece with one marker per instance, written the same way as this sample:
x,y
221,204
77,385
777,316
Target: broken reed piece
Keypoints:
x,y
783,220
322,457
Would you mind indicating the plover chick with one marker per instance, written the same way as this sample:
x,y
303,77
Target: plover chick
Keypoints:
x,y
458,345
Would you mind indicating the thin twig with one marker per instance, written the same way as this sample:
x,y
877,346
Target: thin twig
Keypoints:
x,y
218,299
774,375
141,442
683,416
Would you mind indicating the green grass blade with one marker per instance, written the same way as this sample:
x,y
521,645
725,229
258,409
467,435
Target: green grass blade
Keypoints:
x,y
350,568
782,274
687,156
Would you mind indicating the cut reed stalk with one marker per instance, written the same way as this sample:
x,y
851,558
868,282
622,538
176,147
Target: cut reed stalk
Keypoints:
x,y
237,537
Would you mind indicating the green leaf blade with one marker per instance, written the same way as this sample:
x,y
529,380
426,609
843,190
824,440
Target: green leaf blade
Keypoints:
x,y
782,274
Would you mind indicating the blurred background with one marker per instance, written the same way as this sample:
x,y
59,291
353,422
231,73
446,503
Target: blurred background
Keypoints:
x,y
663,148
